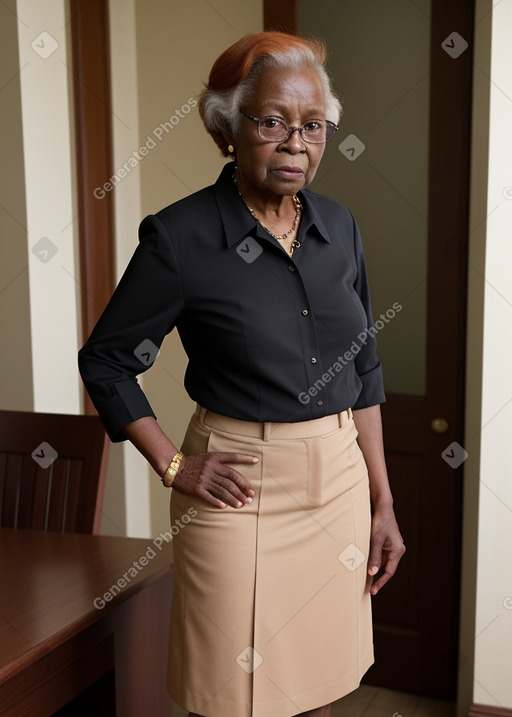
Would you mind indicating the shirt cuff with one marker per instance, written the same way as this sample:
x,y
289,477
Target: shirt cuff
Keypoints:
x,y
372,390
128,404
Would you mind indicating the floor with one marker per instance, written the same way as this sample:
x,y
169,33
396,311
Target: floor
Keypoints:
x,y
368,701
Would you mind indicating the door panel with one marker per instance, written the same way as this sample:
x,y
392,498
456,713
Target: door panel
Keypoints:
x,y
379,56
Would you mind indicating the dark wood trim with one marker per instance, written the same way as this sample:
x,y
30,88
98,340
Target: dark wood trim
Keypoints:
x,y
477,710
449,156
282,16
93,131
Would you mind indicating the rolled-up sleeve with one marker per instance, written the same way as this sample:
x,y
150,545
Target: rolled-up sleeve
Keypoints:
x,y
368,367
142,311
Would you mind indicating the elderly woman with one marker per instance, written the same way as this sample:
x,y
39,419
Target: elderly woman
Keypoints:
x,y
281,473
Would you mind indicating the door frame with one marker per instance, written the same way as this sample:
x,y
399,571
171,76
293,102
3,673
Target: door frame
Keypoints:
x,y
92,102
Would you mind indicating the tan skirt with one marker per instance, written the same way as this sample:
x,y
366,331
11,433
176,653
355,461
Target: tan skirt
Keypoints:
x,y
271,610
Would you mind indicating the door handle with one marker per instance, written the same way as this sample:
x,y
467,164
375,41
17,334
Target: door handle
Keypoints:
x,y
439,425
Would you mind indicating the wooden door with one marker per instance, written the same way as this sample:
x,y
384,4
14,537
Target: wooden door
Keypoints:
x,y
421,348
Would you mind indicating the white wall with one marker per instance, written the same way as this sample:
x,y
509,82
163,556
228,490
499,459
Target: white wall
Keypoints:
x,y
39,311
46,101
493,624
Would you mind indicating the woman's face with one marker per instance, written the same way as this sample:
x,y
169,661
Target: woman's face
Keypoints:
x,y
271,168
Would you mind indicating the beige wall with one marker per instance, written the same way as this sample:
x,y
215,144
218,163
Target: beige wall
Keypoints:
x,y
475,319
16,385
487,615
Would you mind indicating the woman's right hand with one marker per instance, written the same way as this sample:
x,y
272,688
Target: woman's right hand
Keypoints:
x,y
208,476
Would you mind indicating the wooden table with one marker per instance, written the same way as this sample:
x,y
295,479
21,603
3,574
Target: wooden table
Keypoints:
x,y
65,636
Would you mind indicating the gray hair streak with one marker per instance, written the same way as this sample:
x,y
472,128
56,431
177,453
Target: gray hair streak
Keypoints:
x,y
220,110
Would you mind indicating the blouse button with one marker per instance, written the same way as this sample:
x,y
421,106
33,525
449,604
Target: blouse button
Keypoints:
x,y
305,312
313,360
319,403
291,268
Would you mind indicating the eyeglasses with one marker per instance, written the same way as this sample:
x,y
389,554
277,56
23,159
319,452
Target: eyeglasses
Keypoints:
x,y
274,129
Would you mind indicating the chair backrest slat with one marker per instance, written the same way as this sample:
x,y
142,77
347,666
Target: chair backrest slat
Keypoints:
x,y
52,471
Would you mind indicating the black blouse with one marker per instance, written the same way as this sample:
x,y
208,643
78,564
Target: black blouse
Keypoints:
x,y
268,337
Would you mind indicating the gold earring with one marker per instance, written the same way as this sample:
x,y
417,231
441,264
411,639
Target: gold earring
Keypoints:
x,y
231,149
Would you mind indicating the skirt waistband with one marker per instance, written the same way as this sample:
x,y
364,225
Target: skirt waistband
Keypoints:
x,y
265,430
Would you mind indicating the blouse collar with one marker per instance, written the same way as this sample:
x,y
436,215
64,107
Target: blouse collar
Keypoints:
x,y
237,220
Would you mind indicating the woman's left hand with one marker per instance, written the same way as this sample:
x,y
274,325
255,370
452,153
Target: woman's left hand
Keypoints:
x,y
386,547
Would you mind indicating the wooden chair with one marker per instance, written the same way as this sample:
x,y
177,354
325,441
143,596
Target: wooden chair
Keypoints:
x,y
52,471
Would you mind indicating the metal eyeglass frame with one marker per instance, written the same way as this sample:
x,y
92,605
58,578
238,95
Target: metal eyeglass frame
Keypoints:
x,y
289,128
